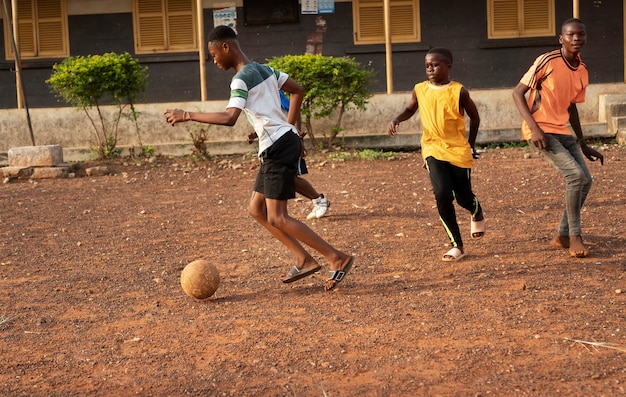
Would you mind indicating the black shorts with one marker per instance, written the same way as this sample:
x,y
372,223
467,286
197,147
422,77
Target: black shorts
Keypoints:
x,y
302,170
277,176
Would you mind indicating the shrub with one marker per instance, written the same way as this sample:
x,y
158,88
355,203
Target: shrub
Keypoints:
x,y
90,81
332,85
199,137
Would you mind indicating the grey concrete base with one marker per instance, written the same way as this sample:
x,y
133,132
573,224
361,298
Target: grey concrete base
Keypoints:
x,y
50,172
35,156
62,171
16,172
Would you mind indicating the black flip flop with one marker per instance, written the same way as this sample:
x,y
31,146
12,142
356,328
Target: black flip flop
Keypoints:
x,y
296,274
337,275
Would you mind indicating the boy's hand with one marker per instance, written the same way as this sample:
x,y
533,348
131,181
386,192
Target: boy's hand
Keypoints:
x,y
392,127
173,116
591,153
251,137
302,134
538,138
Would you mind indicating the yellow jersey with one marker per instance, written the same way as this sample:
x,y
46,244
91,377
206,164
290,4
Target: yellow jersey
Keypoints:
x,y
444,135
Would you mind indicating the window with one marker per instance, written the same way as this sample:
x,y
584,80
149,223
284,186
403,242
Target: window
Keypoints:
x,y
41,28
520,18
165,26
369,21
265,12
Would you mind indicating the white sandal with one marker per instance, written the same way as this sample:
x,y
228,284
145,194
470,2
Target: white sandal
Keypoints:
x,y
453,255
477,229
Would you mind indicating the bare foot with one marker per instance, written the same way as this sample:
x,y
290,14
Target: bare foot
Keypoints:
x,y
577,247
560,241
338,274
308,262
343,261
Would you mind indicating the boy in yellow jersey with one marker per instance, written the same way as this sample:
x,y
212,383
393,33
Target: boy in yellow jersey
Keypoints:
x,y
557,80
447,150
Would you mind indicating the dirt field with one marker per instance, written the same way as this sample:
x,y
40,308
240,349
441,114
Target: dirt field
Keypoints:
x,y
92,305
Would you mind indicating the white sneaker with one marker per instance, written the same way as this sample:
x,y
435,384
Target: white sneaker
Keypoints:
x,y
320,206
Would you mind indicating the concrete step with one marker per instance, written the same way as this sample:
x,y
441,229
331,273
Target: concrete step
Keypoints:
x,y
59,171
616,109
35,156
616,123
605,104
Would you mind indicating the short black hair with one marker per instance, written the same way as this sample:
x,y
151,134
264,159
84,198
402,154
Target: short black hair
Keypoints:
x,y
221,33
443,52
571,20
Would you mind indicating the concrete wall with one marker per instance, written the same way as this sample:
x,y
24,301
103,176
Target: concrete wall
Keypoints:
x,y
72,129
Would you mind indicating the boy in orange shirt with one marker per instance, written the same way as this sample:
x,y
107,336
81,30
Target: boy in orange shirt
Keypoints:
x,y
557,80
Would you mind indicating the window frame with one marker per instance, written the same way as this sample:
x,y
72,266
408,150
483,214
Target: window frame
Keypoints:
x,y
36,24
168,45
527,27
374,8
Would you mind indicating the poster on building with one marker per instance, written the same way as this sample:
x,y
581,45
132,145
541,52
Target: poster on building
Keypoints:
x,y
326,6
309,6
225,14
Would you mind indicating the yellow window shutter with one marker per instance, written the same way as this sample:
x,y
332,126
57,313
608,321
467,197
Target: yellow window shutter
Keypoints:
x,y
520,18
503,18
181,24
25,30
370,24
150,26
51,20
42,29
538,18
369,15
164,25
403,16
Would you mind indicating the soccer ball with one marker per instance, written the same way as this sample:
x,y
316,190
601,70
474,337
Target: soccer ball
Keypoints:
x,y
200,279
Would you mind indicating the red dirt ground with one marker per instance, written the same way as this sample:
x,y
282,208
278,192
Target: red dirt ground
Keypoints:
x,y
92,305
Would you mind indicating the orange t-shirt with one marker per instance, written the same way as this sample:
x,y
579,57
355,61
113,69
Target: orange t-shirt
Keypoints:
x,y
554,85
443,121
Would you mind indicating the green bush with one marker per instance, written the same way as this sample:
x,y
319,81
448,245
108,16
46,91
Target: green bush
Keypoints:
x,y
91,81
332,85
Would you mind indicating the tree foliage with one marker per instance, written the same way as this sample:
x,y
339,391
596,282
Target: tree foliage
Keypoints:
x,y
91,81
333,85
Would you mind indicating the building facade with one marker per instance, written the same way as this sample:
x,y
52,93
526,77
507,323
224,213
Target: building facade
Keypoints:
x,y
493,42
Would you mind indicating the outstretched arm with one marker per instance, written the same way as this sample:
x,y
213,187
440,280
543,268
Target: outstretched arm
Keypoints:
x,y
537,136
588,151
228,117
409,110
469,106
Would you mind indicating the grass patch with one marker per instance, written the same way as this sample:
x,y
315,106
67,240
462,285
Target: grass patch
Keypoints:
x,y
507,145
365,154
